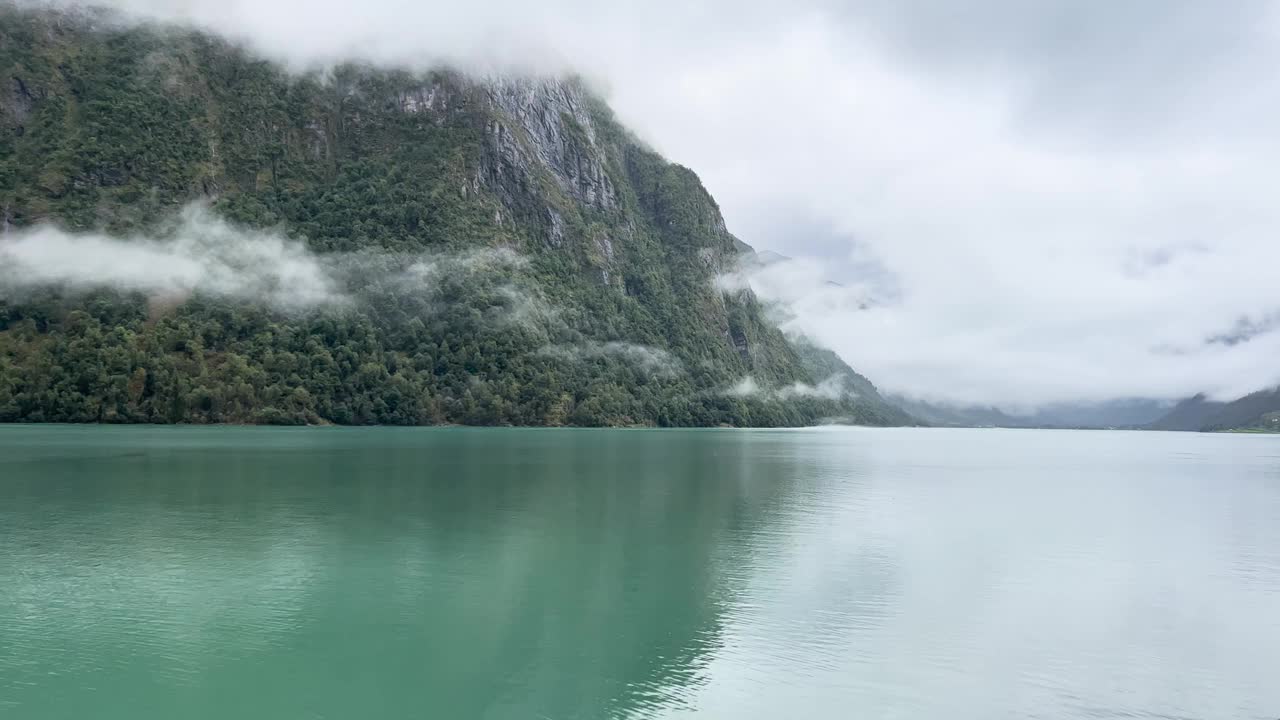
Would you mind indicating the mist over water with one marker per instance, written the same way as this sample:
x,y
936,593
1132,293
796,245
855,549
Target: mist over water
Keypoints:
x,y
338,573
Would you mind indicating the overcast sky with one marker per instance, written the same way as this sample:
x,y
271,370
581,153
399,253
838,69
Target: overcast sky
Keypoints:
x,y
1025,202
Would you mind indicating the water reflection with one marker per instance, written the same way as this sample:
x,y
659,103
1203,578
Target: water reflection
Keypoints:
x,y
215,573
221,572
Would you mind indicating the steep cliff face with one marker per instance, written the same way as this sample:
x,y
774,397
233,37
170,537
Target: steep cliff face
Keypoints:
x,y
605,309
548,123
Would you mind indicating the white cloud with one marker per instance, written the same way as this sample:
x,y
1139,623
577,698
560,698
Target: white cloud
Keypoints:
x,y
203,254
833,388
198,252
1030,269
654,361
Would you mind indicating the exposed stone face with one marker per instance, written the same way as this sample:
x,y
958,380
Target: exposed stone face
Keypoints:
x,y
17,102
739,340
605,245
605,257
426,99
710,257
551,117
557,228
508,169
542,131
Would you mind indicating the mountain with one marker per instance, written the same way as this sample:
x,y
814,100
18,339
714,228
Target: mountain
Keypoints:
x,y
821,362
1256,411
943,415
1191,414
1124,413
1121,413
190,233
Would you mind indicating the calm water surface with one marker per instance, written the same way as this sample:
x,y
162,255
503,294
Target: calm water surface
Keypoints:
x,y
164,573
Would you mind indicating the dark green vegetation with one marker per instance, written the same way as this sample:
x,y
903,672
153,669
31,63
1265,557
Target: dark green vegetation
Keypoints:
x,y
1258,411
610,316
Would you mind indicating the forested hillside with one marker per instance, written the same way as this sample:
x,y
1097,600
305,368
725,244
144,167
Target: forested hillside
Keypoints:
x,y
359,246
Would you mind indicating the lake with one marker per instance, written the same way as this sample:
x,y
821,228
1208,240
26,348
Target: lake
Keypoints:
x,y
336,573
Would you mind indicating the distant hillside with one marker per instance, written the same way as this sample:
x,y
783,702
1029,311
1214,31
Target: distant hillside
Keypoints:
x,y
1257,411
1110,414
1122,413
823,363
1192,414
942,415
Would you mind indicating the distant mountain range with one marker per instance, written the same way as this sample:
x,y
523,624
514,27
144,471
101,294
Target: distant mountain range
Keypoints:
x,y
1258,411
1125,413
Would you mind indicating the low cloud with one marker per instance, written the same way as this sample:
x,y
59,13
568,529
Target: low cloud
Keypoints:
x,y
201,253
477,261
654,361
833,388
198,253
515,300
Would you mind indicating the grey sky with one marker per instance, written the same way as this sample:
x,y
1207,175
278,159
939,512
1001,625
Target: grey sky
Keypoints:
x,y
1061,200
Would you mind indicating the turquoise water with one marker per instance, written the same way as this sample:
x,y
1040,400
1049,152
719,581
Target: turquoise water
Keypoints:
x,y
458,573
